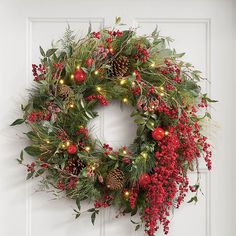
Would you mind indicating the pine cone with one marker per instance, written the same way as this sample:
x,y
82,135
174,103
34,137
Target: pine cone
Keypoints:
x,y
64,91
119,66
115,179
74,165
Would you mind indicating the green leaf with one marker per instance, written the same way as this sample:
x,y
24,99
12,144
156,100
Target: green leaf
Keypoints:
x,y
91,210
78,203
18,122
21,155
77,215
50,52
20,160
33,151
150,125
139,121
93,216
140,130
207,114
137,227
29,175
193,199
89,28
210,100
40,172
112,157
42,51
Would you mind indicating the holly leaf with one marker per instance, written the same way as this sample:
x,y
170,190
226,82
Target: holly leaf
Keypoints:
x,y
33,151
17,122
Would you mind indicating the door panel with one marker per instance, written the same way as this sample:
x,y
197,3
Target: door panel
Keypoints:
x,y
202,29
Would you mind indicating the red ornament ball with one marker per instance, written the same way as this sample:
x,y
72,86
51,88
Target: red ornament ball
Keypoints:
x,y
158,133
80,76
89,62
144,180
72,149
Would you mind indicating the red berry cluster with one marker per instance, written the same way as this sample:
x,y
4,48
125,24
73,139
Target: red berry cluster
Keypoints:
x,y
30,167
168,181
105,202
142,54
133,197
171,68
102,100
39,72
82,131
72,182
38,116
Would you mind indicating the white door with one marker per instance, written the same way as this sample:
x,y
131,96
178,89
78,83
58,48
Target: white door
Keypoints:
x,y
202,29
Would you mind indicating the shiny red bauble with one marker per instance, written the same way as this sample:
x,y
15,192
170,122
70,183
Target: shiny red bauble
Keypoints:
x,y
72,149
158,133
144,180
80,76
89,62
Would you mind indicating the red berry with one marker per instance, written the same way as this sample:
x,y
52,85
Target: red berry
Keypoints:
x,y
89,62
144,180
72,149
80,76
158,133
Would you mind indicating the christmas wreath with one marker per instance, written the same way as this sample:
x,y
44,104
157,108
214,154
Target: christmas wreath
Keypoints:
x,y
150,177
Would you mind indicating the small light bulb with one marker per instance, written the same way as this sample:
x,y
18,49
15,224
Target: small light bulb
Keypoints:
x,y
144,154
87,148
124,152
72,76
78,67
134,73
133,83
126,193
63,145
61,81
152,106
71,105
47,141
122,81
162,88
99,89
153,64
166,133
93,167
162,94
68,143
96,72
125,100
152,123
